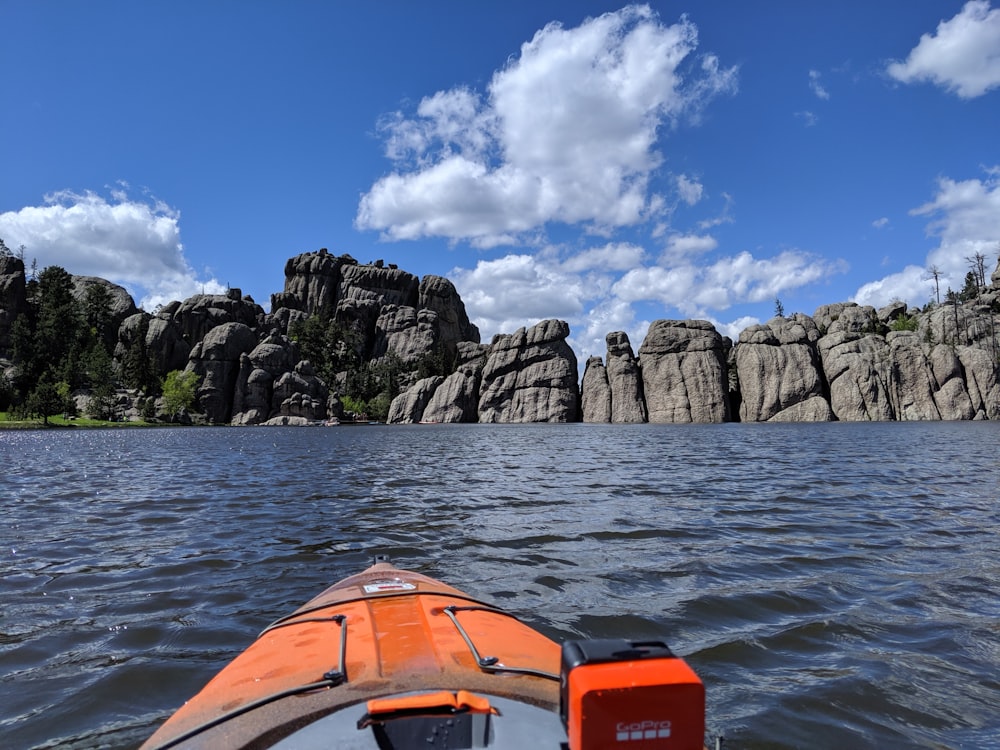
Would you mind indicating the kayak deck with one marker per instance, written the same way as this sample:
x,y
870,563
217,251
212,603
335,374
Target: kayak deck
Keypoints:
x,y
382,632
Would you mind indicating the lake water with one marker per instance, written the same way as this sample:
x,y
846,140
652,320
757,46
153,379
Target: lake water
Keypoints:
x,y
835,585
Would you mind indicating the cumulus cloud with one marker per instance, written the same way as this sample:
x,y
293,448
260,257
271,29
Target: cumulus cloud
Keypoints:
x,y
881,223
685,245
698,290
963,56
567,132
134,243
614,256
517,290
965,217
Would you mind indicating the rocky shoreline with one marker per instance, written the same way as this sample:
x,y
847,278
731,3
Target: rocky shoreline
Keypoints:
x,y
846,362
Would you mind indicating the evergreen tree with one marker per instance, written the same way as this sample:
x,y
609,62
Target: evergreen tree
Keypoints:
x,y
101,377
97,313
45,400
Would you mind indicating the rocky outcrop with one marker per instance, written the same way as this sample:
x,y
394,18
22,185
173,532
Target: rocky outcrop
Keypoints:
x,y
456,400
312,283
216,361
779,372
982,380
927,382
155,340
530,376
595,392
259,369
198,315
300,393
374,329
438,294
684,372
628,403
856,368
408,407
406,333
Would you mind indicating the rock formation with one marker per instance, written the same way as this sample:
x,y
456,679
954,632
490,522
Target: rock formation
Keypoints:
x,y
780,379
595,392
628,403
216,361
684,372
530,376
847,362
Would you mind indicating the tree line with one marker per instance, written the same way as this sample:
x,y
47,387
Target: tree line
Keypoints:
x,y
61,344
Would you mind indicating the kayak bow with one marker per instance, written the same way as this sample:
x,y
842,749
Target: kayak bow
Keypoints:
x,y
390,658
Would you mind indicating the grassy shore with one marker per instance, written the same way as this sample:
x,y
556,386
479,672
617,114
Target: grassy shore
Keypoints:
x,y
7,422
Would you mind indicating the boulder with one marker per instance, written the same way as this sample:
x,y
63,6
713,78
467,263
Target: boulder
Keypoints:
x,y
982,381
779,373
684,372
857,370
595,392
628,402
530,376
408,407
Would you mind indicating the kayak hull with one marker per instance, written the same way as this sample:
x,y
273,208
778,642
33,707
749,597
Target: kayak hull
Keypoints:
x,y
382,632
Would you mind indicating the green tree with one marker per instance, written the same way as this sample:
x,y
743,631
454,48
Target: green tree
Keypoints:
x,y
52,335
779,309
102,385
45,400
971,289
98,314
179,390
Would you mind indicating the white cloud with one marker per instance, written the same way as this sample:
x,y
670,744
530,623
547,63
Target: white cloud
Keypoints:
x,y
963,56
132,243
615,256
517,290
965,216
881,223
911,285
689,190
816,86
567,133
681,246
697,290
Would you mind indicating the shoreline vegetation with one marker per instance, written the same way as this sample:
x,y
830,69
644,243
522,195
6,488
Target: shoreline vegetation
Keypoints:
x,y
10,422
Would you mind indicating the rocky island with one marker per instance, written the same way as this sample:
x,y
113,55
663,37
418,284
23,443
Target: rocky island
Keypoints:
x,y
344,338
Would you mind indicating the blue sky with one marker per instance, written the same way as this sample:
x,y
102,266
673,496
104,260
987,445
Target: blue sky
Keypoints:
x,y
601,163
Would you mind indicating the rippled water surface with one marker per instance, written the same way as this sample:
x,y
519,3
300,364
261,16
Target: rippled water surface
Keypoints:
x,y
835,585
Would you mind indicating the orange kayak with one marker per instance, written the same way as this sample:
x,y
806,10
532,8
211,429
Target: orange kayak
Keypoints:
x,y
390,658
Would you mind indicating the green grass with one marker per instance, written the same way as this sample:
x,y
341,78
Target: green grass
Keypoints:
x,y
7,422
